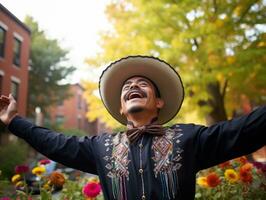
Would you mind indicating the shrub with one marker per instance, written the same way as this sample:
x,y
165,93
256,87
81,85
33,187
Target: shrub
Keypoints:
x,y
11,155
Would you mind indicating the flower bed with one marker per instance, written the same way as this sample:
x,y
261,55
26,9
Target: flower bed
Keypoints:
x,y
235,179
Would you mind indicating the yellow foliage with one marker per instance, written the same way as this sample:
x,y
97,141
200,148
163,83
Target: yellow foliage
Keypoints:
x,y
96,109
238,10
230,59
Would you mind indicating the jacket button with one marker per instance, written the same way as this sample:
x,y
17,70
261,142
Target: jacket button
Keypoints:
x,y
140,170
143,197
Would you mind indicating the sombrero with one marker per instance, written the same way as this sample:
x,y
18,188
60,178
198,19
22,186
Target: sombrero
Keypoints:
x,y
161,73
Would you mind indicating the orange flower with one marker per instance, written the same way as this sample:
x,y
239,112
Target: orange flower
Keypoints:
x,y
246,167
245,173
57,179
224,164
213,180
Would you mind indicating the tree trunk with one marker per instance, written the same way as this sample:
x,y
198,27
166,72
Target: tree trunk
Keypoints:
x,y
216,102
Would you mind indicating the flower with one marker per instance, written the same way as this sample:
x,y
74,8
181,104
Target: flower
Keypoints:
x,y
21,169
202,181
246,167
38,170
245,175
91,189
5,198
259,165
44,162
231,175
224,164
242,160
19,184
57,179
46,186
94,179
213,179
16,178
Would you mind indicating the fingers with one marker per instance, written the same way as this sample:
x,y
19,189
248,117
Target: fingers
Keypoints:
x,y
4,100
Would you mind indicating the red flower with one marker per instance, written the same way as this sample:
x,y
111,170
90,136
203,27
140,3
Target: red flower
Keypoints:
x,y
260,165
5,198
213,180
91,189
242,160
245,176
44,162
21,169
224,164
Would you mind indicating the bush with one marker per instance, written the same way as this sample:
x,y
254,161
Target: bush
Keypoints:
x,y
11,155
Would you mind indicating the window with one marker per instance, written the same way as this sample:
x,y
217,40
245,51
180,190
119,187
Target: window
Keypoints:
x,y
2,41
79,101
15,89
17,52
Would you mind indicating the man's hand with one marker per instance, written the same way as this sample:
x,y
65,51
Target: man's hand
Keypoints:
x,y
8,108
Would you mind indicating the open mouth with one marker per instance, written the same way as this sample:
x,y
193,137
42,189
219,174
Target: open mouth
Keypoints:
x,y
135,94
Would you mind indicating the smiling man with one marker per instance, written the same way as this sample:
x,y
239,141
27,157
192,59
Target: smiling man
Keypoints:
x,y
147,160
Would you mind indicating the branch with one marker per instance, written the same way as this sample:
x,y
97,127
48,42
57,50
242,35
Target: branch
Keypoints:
x,y
246,11
224,88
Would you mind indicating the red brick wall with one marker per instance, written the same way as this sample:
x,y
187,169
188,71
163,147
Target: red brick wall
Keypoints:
x,y
6,63
71,111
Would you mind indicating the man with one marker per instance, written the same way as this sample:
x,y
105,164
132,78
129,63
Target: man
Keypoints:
x,y
146,161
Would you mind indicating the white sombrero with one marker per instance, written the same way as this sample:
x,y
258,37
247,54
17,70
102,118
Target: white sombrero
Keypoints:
x,y
161,73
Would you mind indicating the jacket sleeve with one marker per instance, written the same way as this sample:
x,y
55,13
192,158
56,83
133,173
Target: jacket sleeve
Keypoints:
x,y
72,151
230,139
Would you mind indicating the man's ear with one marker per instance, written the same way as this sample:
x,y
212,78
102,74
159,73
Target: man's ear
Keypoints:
x,y
159,103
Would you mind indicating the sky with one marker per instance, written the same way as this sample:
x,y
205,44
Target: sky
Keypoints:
x,y
75,24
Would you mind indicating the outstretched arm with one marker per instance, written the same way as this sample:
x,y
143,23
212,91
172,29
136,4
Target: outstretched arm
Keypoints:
x,y
71,151
230,139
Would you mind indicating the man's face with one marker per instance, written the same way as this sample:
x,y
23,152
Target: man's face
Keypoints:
x,y
138,94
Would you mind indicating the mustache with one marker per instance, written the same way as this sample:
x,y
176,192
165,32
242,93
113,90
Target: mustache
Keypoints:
x,y
141,92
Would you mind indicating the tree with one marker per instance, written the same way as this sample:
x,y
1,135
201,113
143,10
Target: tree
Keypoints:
x,y
46,70
218,47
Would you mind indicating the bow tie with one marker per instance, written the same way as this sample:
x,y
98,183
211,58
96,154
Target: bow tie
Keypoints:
x,y
134,133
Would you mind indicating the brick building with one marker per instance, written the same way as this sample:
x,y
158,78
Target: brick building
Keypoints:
x,y
14,58
71,113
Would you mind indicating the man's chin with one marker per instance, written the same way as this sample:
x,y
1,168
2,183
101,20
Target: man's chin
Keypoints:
x,y
135,109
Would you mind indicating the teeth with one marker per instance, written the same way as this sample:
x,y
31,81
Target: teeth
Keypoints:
x,y
132,94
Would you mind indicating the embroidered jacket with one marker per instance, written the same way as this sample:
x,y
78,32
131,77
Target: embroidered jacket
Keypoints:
x,y
167,164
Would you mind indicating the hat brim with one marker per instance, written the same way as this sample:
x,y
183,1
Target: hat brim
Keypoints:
x,y
161,73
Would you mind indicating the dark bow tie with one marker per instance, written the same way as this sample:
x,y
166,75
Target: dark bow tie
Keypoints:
x,y
134,133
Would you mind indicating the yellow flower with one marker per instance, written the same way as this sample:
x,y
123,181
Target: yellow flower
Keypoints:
x,y
20,184
94,179
231,175
16,178
46,186
38,170
202,181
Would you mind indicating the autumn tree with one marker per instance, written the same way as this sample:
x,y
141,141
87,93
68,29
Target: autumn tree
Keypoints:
x,y
218,47
46,70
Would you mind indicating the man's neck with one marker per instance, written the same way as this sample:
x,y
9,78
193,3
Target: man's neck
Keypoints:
x,y
141,119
